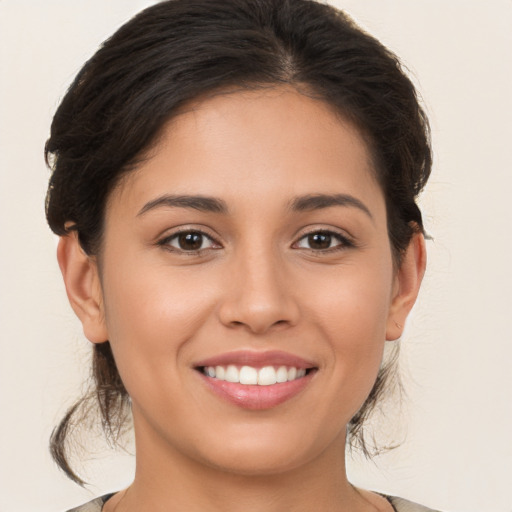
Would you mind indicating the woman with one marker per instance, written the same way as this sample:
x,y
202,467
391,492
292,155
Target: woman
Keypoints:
x,y
234,185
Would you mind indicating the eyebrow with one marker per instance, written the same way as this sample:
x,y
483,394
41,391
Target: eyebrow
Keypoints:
x,y
308,202
201,203
319,201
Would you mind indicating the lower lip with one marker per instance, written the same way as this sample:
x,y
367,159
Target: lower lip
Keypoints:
x,y
257,397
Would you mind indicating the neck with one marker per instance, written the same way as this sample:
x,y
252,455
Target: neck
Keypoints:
x,y
168,480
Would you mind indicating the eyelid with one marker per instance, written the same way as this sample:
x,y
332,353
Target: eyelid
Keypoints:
x,y
163,240
346,240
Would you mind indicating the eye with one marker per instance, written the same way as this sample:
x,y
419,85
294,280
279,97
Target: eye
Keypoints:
x,y
323,241
189,241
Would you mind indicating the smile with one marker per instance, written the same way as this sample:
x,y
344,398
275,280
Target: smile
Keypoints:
x,y
248,375
256,380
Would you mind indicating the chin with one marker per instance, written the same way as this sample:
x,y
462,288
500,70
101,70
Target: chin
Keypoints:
x,y
260,464
267,454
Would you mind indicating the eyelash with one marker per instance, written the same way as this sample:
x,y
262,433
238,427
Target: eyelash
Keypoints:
x,y
343,241
166,242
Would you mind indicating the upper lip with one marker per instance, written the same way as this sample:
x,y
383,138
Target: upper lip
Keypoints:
x,y
256,359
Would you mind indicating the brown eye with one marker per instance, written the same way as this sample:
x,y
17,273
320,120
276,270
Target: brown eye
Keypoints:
x,y
188,241
323,241
319,241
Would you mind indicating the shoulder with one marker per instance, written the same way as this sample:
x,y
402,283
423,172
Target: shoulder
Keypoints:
x,y
399,504
402,505
92,506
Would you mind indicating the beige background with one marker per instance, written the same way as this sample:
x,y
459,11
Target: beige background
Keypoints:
x,y
457,352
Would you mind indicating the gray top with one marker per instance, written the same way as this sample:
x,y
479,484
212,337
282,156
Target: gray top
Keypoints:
x,y
399,504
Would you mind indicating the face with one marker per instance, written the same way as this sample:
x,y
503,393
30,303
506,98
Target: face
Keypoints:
x,y
250,246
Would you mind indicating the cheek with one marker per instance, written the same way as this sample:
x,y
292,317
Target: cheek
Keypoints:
x,y
352,303
150,317
352,317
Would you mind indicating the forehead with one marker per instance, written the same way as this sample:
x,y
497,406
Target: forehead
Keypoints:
x,y
272,144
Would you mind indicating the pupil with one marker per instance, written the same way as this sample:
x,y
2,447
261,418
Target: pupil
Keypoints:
x,y
319,241
190,241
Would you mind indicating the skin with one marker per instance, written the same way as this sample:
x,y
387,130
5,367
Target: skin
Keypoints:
x,y
256,284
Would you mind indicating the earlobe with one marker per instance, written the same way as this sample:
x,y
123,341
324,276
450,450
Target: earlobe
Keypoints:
x,y
83,287
407,285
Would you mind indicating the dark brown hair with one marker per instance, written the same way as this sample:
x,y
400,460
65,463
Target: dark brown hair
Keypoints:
x,y
179,50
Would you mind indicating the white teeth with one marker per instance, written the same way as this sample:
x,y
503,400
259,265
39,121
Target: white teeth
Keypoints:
x,y
220,372
292,373
282,374
232,374
248,375
267,376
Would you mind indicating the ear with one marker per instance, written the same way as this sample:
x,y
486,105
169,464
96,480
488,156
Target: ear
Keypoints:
x,y
83,287
407,286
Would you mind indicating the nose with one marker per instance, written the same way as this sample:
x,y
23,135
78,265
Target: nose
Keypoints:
x,y
259,295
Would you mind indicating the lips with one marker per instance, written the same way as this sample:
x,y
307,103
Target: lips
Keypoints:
x,y
266,376
256,359
256,380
